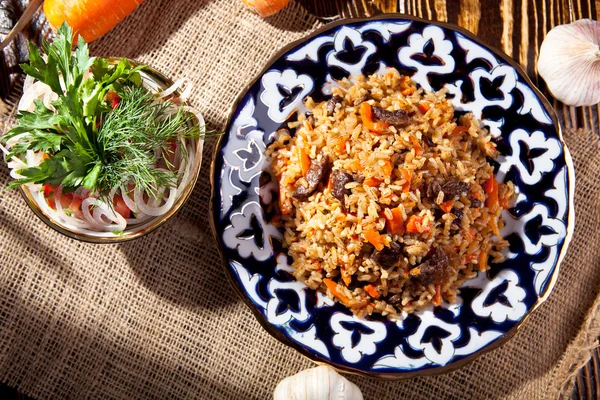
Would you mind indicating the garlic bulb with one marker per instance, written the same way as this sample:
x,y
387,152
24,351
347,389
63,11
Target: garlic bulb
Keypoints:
x,y
569,62
320,383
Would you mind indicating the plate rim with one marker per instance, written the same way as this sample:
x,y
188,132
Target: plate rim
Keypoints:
x,y
453,365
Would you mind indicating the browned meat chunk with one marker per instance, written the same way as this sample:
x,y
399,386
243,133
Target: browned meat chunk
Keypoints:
x,y
398,118
428,141
475,202
389,255
458,213
395,300
316,173
332,103
339,179
452,188
434,270
433,187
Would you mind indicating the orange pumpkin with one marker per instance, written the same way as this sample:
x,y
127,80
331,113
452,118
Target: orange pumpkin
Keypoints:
x,y
266,8
89,18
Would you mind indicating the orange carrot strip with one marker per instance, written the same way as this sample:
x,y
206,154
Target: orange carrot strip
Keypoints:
x,y
366,113
483,260
408,91
447,206
437,299
357,166
304,160
424,107
469,258
372,291
373,182
471,233
341,147
395,226
459,130
416,145
415,225
387,168
407,175
374,238
332,286
491,188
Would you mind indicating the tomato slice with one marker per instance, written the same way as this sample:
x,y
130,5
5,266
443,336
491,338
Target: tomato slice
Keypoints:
x,y
121,207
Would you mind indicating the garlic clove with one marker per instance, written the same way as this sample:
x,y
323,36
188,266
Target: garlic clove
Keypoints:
x,y
320,383
569,62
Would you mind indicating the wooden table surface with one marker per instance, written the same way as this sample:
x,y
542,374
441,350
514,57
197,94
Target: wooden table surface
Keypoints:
x,y
516,27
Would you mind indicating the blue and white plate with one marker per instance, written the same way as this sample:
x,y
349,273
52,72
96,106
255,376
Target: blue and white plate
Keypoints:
x,y
533,156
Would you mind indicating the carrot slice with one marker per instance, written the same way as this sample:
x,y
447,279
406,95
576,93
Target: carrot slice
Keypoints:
x,y
447,206
459,130
491,188
471,233
374,238
373,182
424,107
304,160
415,225
332,286
372,291
357,166
366,113
483,260
408,91
417,146
395,226
341,147
387,168
407,175
437,299
469,258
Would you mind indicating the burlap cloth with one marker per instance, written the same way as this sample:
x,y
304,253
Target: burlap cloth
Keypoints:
x,y
156,318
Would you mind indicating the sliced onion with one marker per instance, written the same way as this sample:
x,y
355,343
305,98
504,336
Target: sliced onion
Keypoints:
x,y
171,89
116,222
34,92
152,209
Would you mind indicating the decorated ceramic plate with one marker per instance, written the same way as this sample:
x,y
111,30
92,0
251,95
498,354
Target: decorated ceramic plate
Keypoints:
x,y
480,80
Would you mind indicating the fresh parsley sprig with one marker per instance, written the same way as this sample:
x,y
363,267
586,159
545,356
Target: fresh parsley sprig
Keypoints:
x,y
87,142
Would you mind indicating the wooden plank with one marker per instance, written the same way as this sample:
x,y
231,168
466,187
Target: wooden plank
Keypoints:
x,y
333,9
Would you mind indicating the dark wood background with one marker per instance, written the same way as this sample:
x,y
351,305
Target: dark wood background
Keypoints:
x,y
516,27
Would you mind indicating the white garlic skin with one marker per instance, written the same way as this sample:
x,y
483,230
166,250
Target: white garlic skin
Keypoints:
x,y
320,383
569,62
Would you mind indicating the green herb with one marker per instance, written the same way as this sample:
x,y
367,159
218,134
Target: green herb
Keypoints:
x,y
87,142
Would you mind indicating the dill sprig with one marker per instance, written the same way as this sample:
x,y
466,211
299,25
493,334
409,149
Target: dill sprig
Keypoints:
x,y
133,132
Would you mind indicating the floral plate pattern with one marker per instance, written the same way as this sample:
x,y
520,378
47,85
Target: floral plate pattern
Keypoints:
x,y
532,155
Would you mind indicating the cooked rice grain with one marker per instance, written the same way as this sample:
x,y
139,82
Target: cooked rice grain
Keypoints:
x,y
387,204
